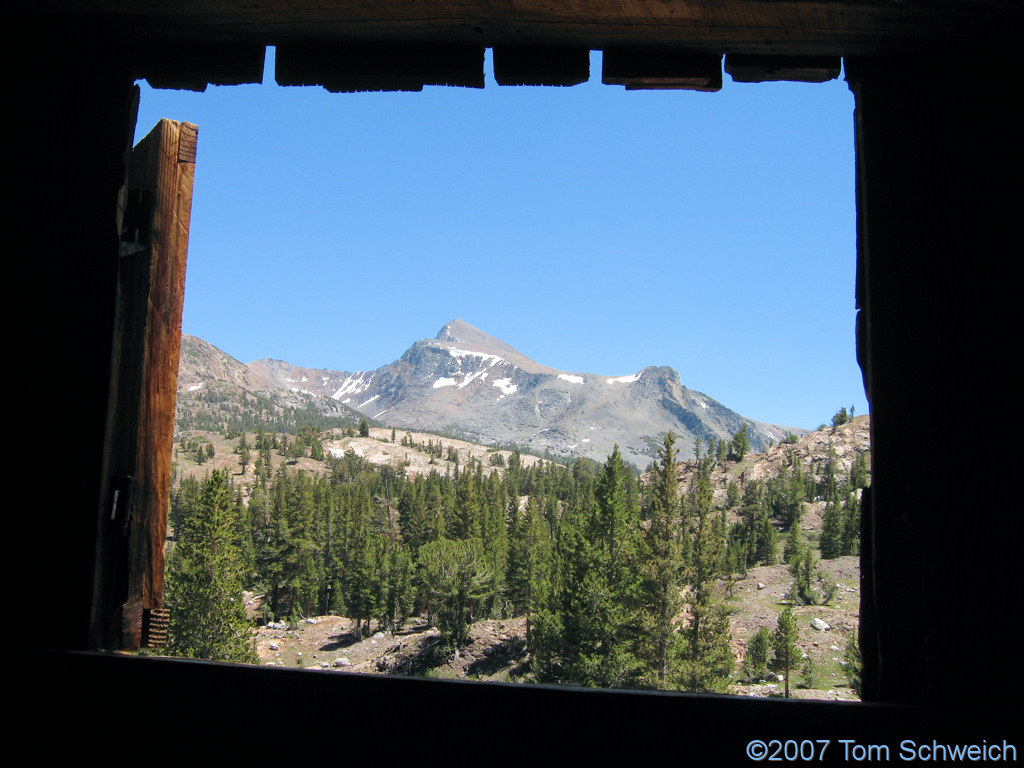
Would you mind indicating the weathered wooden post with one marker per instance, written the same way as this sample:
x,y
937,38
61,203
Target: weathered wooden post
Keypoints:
x,y
129,590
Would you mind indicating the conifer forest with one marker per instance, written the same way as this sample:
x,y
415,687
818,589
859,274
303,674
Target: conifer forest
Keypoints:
x,y
622,575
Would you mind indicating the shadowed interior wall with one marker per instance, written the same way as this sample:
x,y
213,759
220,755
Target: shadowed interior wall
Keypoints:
x,y
938,161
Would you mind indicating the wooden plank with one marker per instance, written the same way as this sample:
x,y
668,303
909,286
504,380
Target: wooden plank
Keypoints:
x,y
192,66
657,69
354,67
765,27
147,342
541,65
770,69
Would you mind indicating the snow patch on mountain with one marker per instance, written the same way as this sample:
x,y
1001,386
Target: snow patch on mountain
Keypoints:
x,y
460,353
505,385
353,385
571,378
624,379
470,377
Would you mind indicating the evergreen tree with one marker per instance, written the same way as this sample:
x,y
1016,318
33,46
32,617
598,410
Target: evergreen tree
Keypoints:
x,y
795,545
810,670
785,651
831,541
567,638
465,522
204,581
529,560
852,663
362,576
849,543
732,495
759,649
801,568
244,456
740,444
458,578
494,537
703,661
860,471
788,492
616,532
661,570
394,591
587,629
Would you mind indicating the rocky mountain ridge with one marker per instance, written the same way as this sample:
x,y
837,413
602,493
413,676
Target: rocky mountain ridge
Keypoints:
x,y
467,382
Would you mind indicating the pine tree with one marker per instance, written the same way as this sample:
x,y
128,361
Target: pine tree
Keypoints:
x,y
394,597
465,522
244,456
494,537
703,661
785,651
362,576
204,581
529,560
759,649
458,578
567,637
661,570
801,567
616,533
831,541
850,538
852,662
740,444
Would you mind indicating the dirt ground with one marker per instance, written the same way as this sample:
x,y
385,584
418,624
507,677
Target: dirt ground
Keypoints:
x,y
757,601
498,648
329,643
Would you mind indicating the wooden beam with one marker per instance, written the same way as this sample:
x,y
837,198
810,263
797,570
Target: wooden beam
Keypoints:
x,y
353,67
653,69
769,69
541,65
146,345
192,66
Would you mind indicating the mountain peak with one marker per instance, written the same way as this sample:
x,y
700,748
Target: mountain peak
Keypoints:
x,y
451,330
459,332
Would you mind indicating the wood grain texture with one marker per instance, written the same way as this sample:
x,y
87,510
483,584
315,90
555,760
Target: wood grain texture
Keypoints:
x,y
765,27
147,342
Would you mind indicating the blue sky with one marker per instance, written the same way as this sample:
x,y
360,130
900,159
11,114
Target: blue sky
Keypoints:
x,y
594,229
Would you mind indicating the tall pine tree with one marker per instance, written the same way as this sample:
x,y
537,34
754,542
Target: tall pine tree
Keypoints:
x,y
204,580
661,570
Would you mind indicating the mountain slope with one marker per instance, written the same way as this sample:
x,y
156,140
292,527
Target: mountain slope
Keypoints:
x,y
468,382
217,392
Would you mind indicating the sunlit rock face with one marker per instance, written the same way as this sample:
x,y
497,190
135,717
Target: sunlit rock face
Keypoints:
x,y
468,382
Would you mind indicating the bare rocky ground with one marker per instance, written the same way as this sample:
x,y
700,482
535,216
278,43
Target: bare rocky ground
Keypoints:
x,y
328,644
377,449
757,601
